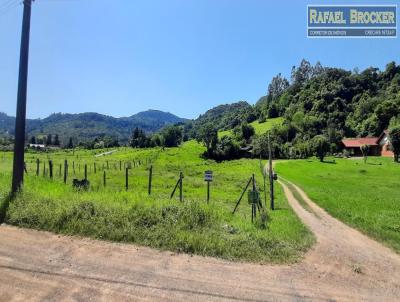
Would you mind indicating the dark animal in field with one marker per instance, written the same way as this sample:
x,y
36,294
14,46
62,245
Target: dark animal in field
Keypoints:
x,y
81,184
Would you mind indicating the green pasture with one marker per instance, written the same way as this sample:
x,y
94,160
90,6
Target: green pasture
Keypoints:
x,y
260,128
365,196
191,226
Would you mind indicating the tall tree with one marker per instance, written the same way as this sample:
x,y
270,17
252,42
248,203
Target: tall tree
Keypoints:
x,y
70,144
364,151
49,140
277,86
320,146
247,131
171,136
303,73
138,139
208,135
56,140
394,137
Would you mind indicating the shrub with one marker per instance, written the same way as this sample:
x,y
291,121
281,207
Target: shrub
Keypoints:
x,y
394,136
320,146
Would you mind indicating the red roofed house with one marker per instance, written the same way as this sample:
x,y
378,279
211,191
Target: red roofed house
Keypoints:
x,y
378,146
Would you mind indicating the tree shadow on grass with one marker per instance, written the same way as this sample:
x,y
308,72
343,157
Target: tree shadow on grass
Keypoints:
x,y
278,209
4,204
329,162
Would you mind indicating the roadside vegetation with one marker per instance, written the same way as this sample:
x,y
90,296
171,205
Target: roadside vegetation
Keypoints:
x,y
363,195
191,226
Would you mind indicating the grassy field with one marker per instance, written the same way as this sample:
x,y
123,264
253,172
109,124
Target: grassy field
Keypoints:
x,y
192,226
365,196
260,128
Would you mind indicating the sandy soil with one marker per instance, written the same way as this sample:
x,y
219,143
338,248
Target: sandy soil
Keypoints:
x,y
344,265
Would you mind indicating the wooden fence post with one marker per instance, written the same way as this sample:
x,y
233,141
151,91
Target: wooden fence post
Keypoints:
x,y
85,171
241,196
51,169
44,169
180,186
150,178
65,171
208,191
94,167
271,176
37,166
253,206
104,178
126,179
59,172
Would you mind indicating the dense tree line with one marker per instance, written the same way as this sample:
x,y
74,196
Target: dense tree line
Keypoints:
x,y
227,147
170,136
89,126
330,102
222,117
320,107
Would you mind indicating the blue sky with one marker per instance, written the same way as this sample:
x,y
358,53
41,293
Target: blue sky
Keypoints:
x,y
119,57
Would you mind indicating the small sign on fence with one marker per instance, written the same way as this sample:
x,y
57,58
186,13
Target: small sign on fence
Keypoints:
x,y
208,175
253,197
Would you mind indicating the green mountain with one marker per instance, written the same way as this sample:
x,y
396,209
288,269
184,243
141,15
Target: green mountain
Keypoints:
x,y
331,102
89,125
7,124
222,117
316,102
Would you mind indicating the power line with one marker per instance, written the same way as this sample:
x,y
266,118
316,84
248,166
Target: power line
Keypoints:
x,y
6,3
8,6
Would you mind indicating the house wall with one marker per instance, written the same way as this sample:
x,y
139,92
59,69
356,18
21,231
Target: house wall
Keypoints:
x,y
385,147
373,151
386,152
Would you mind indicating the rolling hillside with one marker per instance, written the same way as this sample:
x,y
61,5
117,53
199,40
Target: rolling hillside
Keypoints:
x,y
259,128
90,125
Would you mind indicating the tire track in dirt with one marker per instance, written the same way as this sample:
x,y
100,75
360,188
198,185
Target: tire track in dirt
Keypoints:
x,y
343,254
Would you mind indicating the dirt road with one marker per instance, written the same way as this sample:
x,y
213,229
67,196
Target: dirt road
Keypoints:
x,y
344,265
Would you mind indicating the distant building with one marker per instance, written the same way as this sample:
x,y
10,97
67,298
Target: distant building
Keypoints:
x,y
37,146
384,143
378,146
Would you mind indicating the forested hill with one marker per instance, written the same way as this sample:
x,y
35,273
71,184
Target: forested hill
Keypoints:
x,y
327,99
87,126
316,102
320,100
332,103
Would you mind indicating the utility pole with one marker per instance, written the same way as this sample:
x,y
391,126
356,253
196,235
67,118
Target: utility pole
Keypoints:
x,y
19,141
271,174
